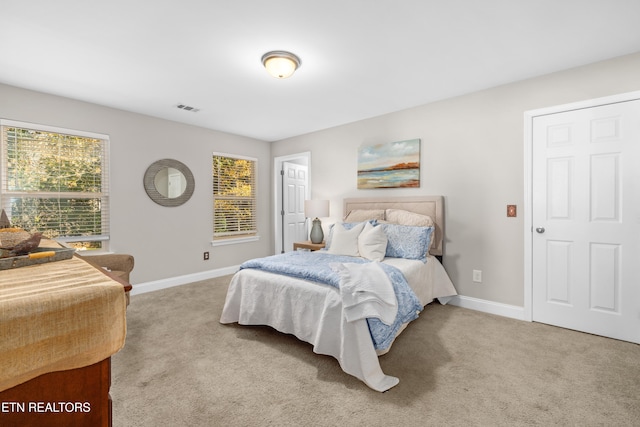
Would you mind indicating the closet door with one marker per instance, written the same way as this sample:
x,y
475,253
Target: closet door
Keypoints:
x,y
586,220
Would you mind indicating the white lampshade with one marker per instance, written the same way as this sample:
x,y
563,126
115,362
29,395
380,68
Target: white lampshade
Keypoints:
x,y
316,208
280,64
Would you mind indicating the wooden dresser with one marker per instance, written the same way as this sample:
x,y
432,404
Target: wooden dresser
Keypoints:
x,y
59,377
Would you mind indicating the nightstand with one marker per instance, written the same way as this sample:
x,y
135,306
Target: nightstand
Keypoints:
x,y
308,245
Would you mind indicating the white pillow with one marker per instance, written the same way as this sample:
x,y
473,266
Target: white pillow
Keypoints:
x,y
372,243
345,242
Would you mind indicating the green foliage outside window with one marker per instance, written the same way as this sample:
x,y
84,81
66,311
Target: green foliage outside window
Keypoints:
x,y
234,196
53,183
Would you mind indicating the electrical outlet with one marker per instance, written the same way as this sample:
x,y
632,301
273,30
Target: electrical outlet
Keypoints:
x,y
477,276
206,256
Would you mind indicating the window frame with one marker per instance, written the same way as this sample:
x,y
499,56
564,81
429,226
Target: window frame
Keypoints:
x,y
104,194
239,238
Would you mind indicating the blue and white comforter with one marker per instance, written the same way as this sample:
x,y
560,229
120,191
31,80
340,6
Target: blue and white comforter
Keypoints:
x,y
316,267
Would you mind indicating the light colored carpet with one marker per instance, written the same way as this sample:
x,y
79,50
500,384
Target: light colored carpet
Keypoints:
x,y
458,367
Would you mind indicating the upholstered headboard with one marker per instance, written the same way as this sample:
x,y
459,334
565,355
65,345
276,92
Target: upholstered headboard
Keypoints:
x,y
432,206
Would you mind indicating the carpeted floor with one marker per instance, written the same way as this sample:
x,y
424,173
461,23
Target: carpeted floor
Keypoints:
x,y
458,367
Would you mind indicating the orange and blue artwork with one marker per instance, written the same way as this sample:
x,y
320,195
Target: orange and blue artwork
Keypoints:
x,y
390,165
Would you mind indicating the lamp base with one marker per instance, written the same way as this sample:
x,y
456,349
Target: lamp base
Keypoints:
x,y
316,235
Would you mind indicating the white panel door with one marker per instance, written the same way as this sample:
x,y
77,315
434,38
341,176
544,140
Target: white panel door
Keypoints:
x,y
294,186
586,220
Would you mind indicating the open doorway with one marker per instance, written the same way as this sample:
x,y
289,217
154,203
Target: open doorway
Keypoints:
x,y
291,187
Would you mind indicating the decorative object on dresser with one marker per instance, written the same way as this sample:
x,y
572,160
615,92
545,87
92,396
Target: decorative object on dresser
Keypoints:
x,y
4,220
12,237
19,248
316,209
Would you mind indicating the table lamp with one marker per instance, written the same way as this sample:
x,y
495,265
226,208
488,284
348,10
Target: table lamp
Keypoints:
x,y
315,209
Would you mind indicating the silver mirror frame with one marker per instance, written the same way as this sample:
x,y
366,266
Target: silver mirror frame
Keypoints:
x,y
152,191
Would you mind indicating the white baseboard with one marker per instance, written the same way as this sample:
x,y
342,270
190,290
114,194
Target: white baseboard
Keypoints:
x,y
491,307
484,306
156,285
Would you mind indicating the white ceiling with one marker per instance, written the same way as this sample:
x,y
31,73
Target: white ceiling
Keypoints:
x,y
360,58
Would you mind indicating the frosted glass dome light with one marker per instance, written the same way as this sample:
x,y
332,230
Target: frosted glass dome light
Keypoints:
x,y
280,64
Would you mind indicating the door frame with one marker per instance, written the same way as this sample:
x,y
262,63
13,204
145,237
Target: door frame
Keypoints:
x,y
528,180
305,158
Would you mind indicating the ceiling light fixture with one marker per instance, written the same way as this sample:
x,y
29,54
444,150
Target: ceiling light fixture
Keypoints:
x,y
280,64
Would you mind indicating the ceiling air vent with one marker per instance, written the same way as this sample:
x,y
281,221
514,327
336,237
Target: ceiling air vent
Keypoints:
x,y
188,108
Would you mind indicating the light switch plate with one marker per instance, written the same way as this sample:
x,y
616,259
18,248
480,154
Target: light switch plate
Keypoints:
x,y
511,211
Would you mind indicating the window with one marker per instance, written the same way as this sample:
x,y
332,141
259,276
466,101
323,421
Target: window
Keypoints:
x,y
234,198
56,181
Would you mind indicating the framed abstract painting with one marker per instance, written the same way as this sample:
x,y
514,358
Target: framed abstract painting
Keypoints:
x,y
390,165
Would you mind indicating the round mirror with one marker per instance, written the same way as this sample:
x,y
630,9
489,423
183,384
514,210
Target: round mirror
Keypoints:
x,y
169,182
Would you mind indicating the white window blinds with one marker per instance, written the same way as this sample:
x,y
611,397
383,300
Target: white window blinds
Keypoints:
x,y
55,181
234,197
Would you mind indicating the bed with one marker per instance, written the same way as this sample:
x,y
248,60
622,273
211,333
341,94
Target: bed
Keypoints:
x,y
350,305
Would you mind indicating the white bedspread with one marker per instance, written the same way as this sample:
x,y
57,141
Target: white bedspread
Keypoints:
x,y
313,312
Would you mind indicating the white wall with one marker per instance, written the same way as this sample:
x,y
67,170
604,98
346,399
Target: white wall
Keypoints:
x,y
472,153
166,242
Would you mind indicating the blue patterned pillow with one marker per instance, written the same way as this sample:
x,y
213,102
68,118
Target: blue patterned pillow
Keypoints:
x,y
407,241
